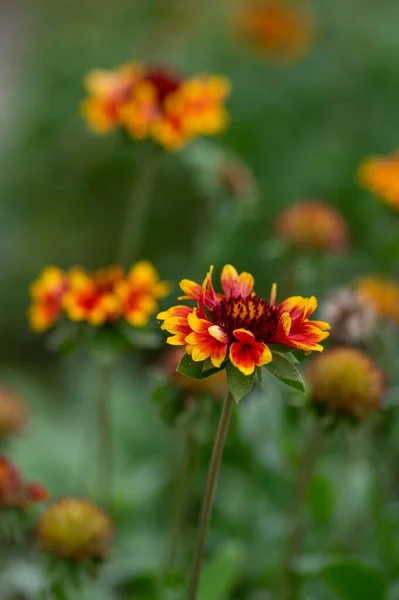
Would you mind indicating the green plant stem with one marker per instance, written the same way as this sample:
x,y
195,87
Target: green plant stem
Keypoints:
x,y
180,499
213,473
137,208
313,447
105,437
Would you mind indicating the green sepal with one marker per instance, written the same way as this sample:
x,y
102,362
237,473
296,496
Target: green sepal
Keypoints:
x,y
285,371
239,384
196,370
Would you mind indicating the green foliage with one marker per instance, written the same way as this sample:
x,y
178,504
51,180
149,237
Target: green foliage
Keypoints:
x,y
220,574
285,371
239,384
355,581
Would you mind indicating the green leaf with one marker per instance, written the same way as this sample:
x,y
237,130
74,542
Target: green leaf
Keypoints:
x,y
284,370
281,348
259,373
220,574
239,384
355,581
64,338
189,367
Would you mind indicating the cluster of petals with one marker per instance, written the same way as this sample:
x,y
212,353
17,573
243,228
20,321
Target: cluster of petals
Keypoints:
x,y
380,175
313,225
382,294
155,103
14,490
99,297
238,325
277,29
75,529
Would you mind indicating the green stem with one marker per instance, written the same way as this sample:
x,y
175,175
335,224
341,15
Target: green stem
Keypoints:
x,y
137,208
180,500
313,447
105,442
213,473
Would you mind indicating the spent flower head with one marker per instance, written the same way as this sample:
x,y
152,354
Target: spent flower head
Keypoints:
x,y
155,103
75,529
238,326
15,491
13,413
346,381
351,316
380,176
313,225
277,29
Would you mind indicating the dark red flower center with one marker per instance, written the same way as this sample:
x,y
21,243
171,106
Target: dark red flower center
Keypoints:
x,y
253,314
165,81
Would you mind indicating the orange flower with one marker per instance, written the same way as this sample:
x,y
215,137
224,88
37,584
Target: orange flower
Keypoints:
x,y
92,297
346,380
14,490
383,295
380,175
282,29
13,413
312,225
239,325
75,529
156,103
47,293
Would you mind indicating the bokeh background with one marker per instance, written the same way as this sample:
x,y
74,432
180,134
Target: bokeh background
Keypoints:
x,y
302,126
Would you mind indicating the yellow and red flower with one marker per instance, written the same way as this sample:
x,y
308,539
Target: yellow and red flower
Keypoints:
x,y
155,103
382,294
104,296
346,380
47,293
380,175
238,325
75,529
14,490
278,29
313,225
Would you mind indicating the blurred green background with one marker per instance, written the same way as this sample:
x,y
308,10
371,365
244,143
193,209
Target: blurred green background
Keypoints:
x,y
303,128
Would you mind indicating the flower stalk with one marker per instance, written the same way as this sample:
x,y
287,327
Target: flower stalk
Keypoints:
x,y
105,435
213,474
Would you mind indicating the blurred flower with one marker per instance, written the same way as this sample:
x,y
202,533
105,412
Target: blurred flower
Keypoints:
x,y
13,413
75,529
237,178
14,490
104,296
238,324
214,386
383,295
46,294
155,103
312,225
280,29
351,317
91,297
380,175
346,380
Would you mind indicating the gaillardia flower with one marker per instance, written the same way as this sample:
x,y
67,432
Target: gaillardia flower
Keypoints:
x,y
104,296
46,293
75,529
14,490
314,226
155,103
382,294
276,28
351,316
380,176
238,325
346,380
13,413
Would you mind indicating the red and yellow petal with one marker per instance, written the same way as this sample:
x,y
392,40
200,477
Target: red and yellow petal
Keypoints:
x,y
235,285
247,353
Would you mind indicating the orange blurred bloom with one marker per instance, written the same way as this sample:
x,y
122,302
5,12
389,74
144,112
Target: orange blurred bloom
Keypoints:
x,y
383,295
380,175
46,293
75,529
156,103
14,490
346,380
280,29
13,413
313,225
238,325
